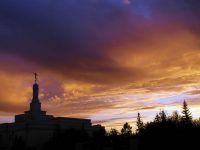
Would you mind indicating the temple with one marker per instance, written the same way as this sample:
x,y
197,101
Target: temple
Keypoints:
x,y
36,123
35,114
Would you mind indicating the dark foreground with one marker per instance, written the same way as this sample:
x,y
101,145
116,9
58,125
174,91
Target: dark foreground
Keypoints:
x,y
158,135
178,132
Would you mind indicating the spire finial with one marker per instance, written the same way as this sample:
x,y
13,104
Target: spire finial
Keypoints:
x,y
36,76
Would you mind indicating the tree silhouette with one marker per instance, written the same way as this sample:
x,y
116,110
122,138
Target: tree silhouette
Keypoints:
x,y
187,116
175,117
157,118
160,117
140,124
113,132
163,116
196,122
126,130
170,132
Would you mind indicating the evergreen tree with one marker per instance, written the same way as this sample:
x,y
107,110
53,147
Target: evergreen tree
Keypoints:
x,y
160,117
157,119
113,132
175,117
163,116
126,130
140,124
196,122
187,116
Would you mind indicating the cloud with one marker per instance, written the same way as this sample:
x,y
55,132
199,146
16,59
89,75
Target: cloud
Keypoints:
x,y
13,94
96,55
193,92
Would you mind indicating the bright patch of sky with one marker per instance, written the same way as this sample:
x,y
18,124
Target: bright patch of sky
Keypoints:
x,y
175,98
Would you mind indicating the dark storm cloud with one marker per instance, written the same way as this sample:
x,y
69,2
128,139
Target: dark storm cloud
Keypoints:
x,y
66,26
66,36
72,37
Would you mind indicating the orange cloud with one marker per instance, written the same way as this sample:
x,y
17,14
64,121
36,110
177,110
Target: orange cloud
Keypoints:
x,y
121,60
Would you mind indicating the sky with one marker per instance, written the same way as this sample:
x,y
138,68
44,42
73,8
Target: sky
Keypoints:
x,y
100,59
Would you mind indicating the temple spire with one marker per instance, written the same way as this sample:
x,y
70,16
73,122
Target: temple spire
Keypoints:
x,y
36,76
35,105
35,88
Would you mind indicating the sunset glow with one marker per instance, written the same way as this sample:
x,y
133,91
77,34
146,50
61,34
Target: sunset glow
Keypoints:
x,y
100,59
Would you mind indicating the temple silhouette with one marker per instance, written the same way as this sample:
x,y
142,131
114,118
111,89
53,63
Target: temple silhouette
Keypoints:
x,y
35,127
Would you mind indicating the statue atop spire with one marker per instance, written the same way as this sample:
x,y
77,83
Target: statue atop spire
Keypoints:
x,y
36,76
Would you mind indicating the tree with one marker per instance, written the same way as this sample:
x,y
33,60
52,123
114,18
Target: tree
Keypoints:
x,y
196,122
175,117
157,119
126,130
140,124
187,116
163,116
113,132
160,117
